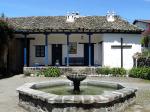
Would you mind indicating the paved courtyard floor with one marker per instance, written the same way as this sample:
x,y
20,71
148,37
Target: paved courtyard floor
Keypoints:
x,y
9,96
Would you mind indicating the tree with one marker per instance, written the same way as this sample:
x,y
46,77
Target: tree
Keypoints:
x,y
6,36
145,40
3,15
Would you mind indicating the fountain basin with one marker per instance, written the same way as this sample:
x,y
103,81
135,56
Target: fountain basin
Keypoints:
x,y
36,101
76,79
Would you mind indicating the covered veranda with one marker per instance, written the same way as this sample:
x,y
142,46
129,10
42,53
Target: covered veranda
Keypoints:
x,y
67,34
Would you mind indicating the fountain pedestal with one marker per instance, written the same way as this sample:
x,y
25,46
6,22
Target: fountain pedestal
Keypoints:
x,y
76,79
76,86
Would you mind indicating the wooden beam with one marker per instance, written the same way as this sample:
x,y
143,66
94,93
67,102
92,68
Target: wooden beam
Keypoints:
x,y
85,43
74,31
119,46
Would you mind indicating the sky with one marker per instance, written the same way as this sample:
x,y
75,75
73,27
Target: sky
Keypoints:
x,y
127,9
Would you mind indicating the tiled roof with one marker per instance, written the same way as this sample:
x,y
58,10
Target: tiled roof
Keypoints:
x,y
59,22
145,21
146,32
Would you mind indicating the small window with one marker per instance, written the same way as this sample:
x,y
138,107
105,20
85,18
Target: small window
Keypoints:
x,y
40,51
72,48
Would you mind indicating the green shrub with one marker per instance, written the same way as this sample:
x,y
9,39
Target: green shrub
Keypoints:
x,y
104,70
50,72
27,73
118,71
146,53
143,73
113,71
135,72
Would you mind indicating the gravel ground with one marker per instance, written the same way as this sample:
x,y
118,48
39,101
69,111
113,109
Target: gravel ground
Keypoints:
x,y
9,96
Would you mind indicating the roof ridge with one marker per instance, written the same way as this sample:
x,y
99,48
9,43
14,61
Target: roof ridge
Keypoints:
x,y
51,16
33,16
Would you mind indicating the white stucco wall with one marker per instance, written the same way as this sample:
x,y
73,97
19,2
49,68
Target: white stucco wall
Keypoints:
x,y
103,53
61,39
112,57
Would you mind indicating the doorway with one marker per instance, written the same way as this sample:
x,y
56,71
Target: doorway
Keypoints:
x,y
56,54
86,54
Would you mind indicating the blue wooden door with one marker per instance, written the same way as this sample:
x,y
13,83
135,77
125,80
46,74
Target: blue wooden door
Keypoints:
x,y
56,53
86,54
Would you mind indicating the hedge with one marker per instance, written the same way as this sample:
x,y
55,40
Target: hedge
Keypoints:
x,y
50,72
105,70
118,71
113,71
143,72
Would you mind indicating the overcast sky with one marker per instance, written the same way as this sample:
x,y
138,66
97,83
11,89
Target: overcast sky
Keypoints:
x,y
127,9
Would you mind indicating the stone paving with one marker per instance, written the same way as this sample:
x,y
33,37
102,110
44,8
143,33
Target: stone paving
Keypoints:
x,y
9,96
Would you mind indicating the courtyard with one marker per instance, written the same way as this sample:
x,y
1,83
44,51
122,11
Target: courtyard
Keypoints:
x,y
9,95
75,56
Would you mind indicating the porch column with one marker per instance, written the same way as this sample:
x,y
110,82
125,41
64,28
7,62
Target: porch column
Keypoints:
x,y
67,48
25,50
121,52
46,49
89,34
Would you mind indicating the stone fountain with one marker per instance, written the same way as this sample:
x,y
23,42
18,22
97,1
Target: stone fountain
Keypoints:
x,y
34,99
76,79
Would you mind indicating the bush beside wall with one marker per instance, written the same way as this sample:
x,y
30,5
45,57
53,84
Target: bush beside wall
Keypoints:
x,y
113,71
143,73
50,72
104,71
118,71
143,62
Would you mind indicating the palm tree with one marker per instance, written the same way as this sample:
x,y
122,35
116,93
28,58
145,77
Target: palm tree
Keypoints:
x,y
6,36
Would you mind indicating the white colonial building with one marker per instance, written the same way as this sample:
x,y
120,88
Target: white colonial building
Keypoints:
x,y
75,40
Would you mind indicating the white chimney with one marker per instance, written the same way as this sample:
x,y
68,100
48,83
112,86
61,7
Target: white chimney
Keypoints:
x,y
72,16
110,16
